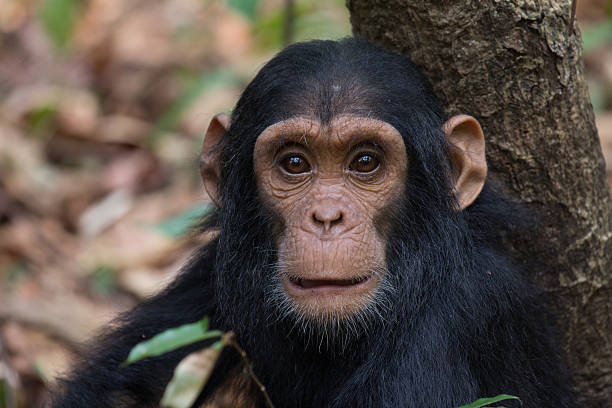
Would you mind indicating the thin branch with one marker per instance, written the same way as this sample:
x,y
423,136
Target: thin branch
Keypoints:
x,y
289,26
230,339
570,29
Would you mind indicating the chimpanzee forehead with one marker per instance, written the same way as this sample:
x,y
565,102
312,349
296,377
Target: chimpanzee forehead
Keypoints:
x,y
326,109
321,97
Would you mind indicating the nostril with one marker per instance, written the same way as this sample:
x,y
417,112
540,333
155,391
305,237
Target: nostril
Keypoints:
x,y
315,219
337,220
327,217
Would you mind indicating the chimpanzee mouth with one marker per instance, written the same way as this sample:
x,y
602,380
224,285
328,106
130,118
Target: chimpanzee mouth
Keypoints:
x,y
322,284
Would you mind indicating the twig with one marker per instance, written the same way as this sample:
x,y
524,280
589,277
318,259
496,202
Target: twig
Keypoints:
x,y
570,29
229,338
289,25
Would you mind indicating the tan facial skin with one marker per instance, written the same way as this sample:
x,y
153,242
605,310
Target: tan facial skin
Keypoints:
x,y
344,174
328,183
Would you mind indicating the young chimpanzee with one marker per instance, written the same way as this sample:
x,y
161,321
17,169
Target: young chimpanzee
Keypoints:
x,y
358,258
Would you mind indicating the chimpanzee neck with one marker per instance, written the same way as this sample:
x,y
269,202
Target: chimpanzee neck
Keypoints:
x,y
302,376
301,373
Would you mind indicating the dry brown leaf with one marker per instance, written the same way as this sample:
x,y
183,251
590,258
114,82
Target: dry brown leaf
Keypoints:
x,y
78,113
41,241
105,212
122,129
142,282
135,171
69,318
604,127
97,22
13,14
189,377
232,36
78,108
605,67
198,116
129,245
143,39
34,351
24,172
591,10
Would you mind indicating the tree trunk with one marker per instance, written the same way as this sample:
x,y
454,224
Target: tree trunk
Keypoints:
x,y
514,66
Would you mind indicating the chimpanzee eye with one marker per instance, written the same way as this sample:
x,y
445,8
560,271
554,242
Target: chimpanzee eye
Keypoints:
x,y
295,164
364,163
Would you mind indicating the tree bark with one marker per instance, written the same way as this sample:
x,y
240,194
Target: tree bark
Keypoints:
x,y
515,66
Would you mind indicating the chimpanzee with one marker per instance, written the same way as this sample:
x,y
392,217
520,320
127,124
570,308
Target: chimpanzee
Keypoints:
x,y
359,256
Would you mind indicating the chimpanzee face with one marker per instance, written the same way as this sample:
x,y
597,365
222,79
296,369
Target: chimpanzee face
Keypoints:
x,y
328,183
322,159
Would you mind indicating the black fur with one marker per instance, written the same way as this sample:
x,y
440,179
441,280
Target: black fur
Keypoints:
x,y
463,323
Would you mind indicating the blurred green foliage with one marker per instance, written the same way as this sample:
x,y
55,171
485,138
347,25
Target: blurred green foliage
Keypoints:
x,y
597,95
597,35
245,7
184,222
192,90
40,120
15,272
103,280
7,398
59,18
312,20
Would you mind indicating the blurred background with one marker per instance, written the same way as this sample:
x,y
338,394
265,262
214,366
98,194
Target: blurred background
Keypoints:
x,y
103,105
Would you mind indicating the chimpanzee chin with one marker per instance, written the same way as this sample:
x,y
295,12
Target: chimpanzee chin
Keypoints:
x,y
359,257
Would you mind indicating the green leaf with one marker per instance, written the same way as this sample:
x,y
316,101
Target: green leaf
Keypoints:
x,y
180,224
190,376
3,393
7,395
103,280
247,8
41,119
58,18
483,402
172,339
190,94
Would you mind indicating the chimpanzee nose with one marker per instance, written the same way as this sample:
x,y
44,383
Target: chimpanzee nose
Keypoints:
x,y
327,216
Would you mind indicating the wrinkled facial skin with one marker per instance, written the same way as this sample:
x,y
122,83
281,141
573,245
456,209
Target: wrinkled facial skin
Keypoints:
x,y
328,183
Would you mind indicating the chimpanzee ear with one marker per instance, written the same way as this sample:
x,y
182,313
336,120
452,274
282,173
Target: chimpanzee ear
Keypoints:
x,y
211,161
467,154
